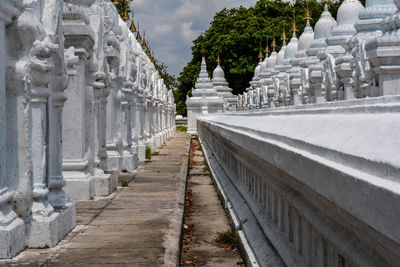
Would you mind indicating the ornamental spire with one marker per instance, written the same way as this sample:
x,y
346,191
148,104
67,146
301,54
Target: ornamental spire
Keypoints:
x,y
144,44
307,15
266,51
273,45
294,29
126,16
260,54
138,37
326,4
283,38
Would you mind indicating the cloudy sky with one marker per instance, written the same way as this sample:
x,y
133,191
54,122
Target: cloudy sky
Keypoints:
x,y
172,25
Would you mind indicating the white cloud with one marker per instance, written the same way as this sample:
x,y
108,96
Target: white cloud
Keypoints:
x,y
187,33
172,25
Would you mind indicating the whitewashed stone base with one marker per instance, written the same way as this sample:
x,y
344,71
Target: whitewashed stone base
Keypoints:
x,y
79,187
105,183
115,160
129,161
141,148
158,140
48,231
14,234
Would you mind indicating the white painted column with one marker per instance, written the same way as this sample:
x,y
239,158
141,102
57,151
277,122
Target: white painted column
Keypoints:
x,y
12,230
39,99
78,128
129,160
57,197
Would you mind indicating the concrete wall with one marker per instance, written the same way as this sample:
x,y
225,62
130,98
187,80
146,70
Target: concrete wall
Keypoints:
x,y
314,185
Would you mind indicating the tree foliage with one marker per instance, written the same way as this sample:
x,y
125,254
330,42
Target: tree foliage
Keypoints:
x,y
236,35
122,7
169,80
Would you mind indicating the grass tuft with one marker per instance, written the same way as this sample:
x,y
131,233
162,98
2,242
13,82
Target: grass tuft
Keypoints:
x,y
148,153
181,128
124,183
227,239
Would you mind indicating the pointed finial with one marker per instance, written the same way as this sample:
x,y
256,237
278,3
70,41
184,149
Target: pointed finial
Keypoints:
x,y
273,44
126,16
326,4
260,55
294,29
144,44
283,33
133,27
138,37
307,15
266,51
203,51
218,60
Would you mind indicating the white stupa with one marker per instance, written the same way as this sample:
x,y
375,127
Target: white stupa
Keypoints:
x,y
221,85
205,99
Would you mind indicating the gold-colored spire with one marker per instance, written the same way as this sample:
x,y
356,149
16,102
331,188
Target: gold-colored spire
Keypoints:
x,y
266,51
307,16
260,55
283,38
126,16
218,60
144,44
273,45
294,29
133,27
138,37
116,2
203,51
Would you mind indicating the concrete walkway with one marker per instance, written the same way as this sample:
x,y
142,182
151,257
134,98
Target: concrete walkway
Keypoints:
x,y
138,225
204,219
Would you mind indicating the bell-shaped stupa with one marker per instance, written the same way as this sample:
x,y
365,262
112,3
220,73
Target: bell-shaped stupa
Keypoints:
x,y
221,85
323,30
205,99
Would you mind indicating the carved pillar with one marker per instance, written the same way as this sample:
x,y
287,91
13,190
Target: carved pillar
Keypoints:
x,y
12,232
134,122
129,159
40,92
114,126
77,116
141,121
57,197
59,82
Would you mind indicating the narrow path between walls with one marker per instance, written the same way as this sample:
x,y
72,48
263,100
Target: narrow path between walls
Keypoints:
x,y
205,219
138,225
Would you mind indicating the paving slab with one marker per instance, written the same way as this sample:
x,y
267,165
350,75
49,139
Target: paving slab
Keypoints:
x,y
138,225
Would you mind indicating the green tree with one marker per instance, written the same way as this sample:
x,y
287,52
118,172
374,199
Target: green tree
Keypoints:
x,y
169,80
236,34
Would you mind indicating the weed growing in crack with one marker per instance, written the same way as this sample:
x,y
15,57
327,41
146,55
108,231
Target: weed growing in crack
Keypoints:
x,y
148,153
227,239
